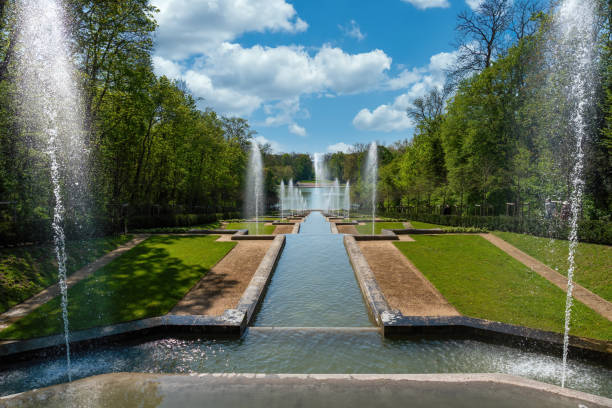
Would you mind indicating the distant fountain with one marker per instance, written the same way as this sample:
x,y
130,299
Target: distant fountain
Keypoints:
x,y
282,199
290,189
336,196
371,178
254,187
319,168
347,199
50,107
575,48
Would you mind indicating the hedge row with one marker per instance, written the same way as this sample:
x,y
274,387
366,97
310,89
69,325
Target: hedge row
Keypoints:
x,y
39,229
594,231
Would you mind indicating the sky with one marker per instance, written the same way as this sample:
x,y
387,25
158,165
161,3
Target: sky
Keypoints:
x,y
309,75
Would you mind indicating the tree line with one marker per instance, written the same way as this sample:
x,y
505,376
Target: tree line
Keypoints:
x,y
497,138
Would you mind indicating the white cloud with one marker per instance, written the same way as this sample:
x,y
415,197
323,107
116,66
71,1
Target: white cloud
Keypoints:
x,y
238,80
385,118
275,146
352,30
339,147
425,4
189,27
417,82
297,130
474,4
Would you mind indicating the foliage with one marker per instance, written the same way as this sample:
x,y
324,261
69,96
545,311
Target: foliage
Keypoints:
x,y
144,282
27,270
593,262
489,284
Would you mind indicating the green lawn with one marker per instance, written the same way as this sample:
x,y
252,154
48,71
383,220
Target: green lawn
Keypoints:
x,y
25,271
425,225
252,227
482,281
176,230
378,227
593,261
144,282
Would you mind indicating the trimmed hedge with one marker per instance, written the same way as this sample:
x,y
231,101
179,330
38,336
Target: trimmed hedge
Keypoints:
x,y
594,231
176,220
38,229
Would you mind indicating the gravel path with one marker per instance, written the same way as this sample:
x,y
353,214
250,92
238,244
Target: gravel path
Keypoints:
x,y
404,286
222,287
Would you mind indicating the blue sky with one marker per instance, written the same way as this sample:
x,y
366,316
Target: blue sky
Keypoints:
x,y
310,75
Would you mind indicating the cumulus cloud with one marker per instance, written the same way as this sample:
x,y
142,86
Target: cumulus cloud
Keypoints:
x,y
297,129
425,4
339,147
352,30
189,27
239,80
417,82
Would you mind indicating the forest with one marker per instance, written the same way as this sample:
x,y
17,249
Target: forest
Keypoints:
x,y
495,134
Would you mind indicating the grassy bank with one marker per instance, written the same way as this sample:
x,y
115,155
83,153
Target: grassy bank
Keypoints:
x,y
482,281
146,281
593,261
252,227
378,227
25,271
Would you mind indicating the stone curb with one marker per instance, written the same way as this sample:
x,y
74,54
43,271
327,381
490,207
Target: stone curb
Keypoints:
x,y
183,382
254,293
231,324
253,237
376,302
333,227
382,237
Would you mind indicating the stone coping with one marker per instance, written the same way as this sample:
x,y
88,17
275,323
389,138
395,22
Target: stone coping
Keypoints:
x,y
333,227
372,293
254,293
394,323
219,389
253,237
232,323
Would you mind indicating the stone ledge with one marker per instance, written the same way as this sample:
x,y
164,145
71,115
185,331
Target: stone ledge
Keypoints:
x,y
269,390
254,293
397,325
253,237
231,324
374,297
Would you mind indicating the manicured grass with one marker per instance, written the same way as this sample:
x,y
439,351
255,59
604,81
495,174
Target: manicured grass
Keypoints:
x,y
144,282
482,281
378,227
25,271
424,225
252,227
593,261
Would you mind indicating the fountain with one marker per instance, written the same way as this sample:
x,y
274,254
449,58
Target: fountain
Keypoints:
x,y
319,168
336,196
50,106
282,199
575,37
347,199
371,177
255,196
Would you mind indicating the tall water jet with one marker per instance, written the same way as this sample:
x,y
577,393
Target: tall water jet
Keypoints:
x,y
575,49
282,199
336,195
347,199
319,168
50,106
371,178
255,195
290,196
